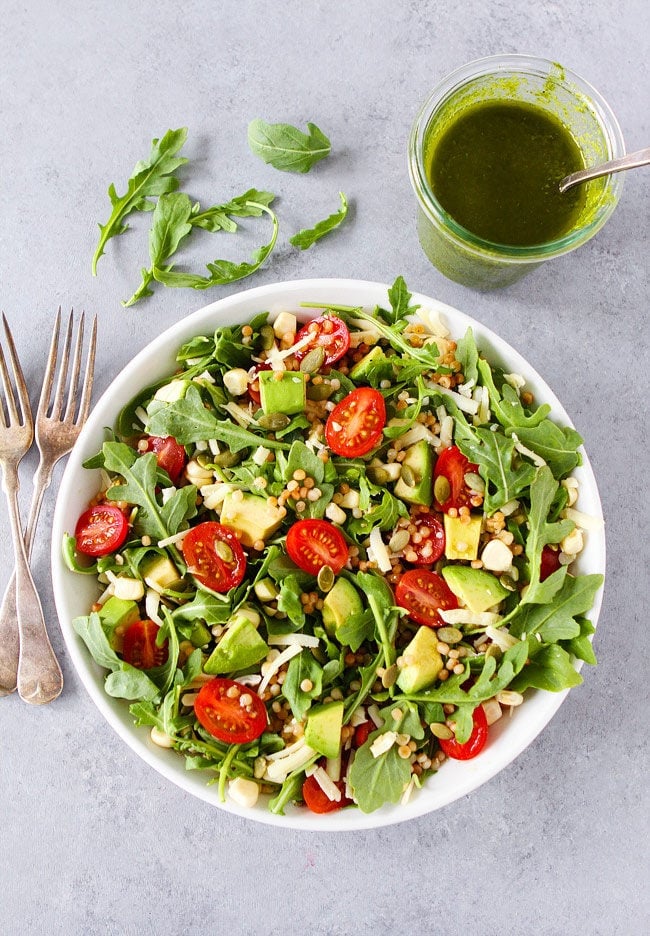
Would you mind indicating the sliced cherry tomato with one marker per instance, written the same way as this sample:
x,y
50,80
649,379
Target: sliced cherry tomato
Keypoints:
x,y
474,744
214,556
254,387
101,530
312,544
171,456
452,465
423,593
219,709
355,425
139,647
362,732
550,562
431,540
327,332
318,801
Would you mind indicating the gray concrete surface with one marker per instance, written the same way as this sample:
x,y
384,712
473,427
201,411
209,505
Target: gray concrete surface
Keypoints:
x,y
92,841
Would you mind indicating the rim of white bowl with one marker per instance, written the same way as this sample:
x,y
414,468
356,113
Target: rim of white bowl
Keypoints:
x,y
456,778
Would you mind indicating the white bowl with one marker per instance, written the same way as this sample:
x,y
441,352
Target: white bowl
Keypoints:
x,y
74,593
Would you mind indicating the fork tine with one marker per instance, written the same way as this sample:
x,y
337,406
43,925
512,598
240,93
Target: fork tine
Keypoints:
x,y
8,393
48,380
76,367
84,405
57,403
23,394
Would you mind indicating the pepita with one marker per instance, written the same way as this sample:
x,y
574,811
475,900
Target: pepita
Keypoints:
x,y
274,421
493,651
377,475
440,730
389,676
508,582
325,578
441,489
408,476
313,361
475,482
227,459
450,635
224,551
268,337
319,392
399,540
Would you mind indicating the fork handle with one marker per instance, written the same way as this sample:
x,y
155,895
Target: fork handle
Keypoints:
x,y
9,640
39,675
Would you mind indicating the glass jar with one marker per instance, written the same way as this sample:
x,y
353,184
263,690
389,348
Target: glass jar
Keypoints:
x,y
458,253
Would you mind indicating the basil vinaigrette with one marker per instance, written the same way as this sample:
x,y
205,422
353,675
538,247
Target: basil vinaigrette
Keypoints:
x,y
495,170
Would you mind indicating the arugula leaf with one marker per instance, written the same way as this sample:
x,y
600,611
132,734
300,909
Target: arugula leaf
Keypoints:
x,y
222,272
289,602
506,405
557,445
400,304
385,515
467,354
301,456
557,619
204,607
285,147
493,453
305,238
236,438
187,419
149,178
580,646
550,668
355,629
302,666
540,534
140,481
219,217
378,780
169,226
428,354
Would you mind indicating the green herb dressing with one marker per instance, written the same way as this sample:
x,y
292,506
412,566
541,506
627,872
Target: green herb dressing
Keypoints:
x,y
496,167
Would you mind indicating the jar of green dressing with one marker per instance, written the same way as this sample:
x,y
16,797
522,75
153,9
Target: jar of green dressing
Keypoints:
x,y
486,154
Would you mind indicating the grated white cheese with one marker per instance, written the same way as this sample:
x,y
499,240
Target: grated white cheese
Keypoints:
x,y
279,770
142,415
466,404
327,785
175,538
275,665
359,717
416,433
471,618
431,319
501,637
151,604
290,640
383,743
167,493
238,413
583,520
373,712
378,551
536,459
260,455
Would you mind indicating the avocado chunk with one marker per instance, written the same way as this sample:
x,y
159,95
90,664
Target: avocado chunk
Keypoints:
x,y
117,612
159,572
339,604
476,588
240,647
420,662
323,728
362,367
417,468
282,392
461,538
251,516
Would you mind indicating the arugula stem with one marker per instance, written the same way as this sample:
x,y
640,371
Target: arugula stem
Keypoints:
x,y
224,771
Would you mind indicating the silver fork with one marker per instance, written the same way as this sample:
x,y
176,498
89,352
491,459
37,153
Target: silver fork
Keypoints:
x,y
35,670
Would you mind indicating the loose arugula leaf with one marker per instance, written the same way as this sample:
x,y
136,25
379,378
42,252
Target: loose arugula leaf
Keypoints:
x,y
550,668
302,667
149,178
305,238
236,438
302,457
540,534
180,507
222,272
140,481
219,217
355,629
384,515
285,147
289,602
428,354
169,226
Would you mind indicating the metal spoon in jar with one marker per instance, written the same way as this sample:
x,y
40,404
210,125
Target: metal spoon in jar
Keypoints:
x,y
631,161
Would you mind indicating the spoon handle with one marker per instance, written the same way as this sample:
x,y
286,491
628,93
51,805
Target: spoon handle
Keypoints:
x,y
631,161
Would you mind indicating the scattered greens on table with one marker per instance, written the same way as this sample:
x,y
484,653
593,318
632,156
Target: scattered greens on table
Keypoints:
x,y
153,186
362,700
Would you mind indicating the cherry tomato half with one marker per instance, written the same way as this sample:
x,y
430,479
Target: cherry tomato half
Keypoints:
x,y
101,530
254,387
139,647
171,456
423,593
327,332
362,732
318,801
355,425
219,709
550,562
431,540
214,556
452,465
474,744
312,544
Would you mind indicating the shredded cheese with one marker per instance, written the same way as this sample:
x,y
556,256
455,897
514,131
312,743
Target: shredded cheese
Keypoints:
x,y
383,743
583,520
471,618
170,540
378,551
152,603
290,640
275,665
501,638
327,785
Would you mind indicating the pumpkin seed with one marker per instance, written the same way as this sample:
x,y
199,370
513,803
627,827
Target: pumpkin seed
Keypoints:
x,y
475,482
377,475
389,677
224,551
313,361
408,476
274,421
450,635
204,460
268,337
227,459
508,582
319,392
493,651
440,730
399,540
325,578
441,489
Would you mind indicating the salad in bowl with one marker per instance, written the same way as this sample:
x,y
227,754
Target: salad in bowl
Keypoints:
x,y
328,553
